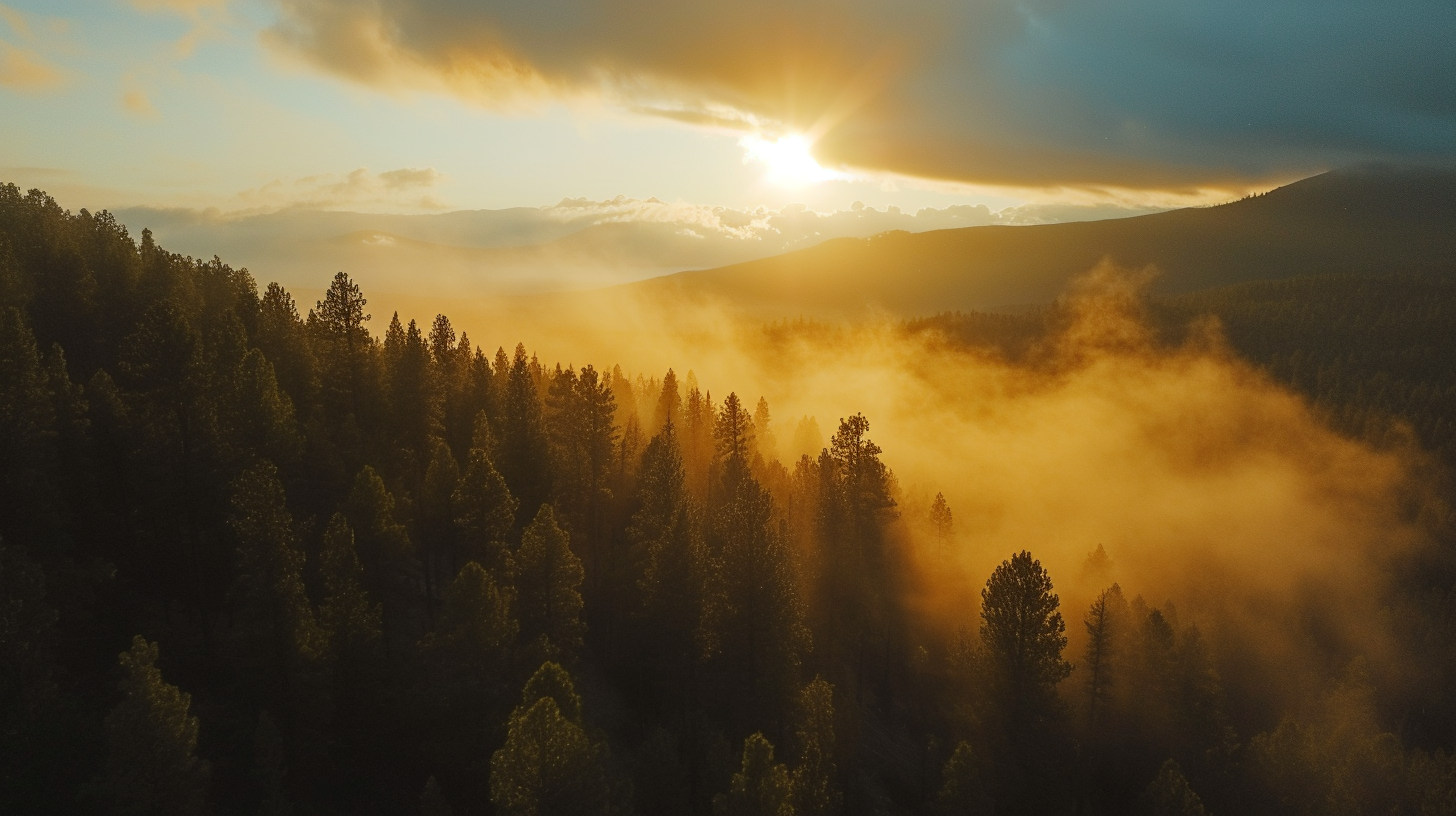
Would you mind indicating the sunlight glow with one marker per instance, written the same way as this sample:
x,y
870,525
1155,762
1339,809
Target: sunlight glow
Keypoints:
x,y
788,160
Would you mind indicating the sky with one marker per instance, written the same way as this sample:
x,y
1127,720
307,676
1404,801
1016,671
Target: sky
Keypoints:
x,y
432,105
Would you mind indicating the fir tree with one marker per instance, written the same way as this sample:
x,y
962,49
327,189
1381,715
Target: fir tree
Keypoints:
x,y
151,736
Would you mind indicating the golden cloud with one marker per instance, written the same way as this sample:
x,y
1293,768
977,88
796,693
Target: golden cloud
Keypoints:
x,y
1036,93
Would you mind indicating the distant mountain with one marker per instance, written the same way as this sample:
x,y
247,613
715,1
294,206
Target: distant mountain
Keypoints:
x,y
1360,221
575,244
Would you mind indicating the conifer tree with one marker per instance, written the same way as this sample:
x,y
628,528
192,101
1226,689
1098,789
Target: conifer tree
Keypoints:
x,y
338,321
548,763
669,404
583,434
963,793
1024,635
151,737
1104,623
485,514
277,624
524,458
261,413
816,776
761,787
351,621
756,615
665,613
1169,794
383,547
435,532
764,439
467,661
469,653
548,578
942,523
283,339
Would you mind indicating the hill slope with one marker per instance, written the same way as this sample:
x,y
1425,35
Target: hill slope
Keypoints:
x,y
1361,221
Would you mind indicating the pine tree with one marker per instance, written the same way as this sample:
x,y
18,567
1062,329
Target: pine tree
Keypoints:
x,y
277,625
548,578
151,736
1024,635
1104,622
261,414
485,516
757,616
283,339
352,622
1169,794
470,650
666,609
764,438
963,793
942,523
549,764
669,404
761,787
467,662
383,547
857,571
338,322
524,458
816,777
435,533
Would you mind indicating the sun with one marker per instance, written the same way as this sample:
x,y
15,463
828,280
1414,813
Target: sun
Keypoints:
x,y
788,159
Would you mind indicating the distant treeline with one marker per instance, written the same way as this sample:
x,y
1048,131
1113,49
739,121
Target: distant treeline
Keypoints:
x,y
1375,353
256,558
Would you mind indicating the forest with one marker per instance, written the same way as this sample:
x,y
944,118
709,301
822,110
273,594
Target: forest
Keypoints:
x,y
260,556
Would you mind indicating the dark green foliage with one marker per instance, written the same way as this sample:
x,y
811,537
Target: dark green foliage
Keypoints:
x,y
151,737
962,791
276,629
816,776
548,582
1169,794
549,764
761,787
485,515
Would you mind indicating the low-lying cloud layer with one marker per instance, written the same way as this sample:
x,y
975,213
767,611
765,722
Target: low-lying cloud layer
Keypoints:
x,y
1129,94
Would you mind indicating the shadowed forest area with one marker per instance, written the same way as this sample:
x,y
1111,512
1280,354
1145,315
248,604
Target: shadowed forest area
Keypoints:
x,y
258,556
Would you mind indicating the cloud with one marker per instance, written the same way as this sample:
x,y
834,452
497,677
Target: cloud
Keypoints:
x,y
206,16
136,103
1110,95
23,68
392,189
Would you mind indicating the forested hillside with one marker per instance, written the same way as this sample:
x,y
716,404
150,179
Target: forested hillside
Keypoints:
x,y
1364,220
258,556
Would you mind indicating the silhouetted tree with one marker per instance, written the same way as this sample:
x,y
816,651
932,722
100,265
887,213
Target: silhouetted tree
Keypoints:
x,y
151,737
